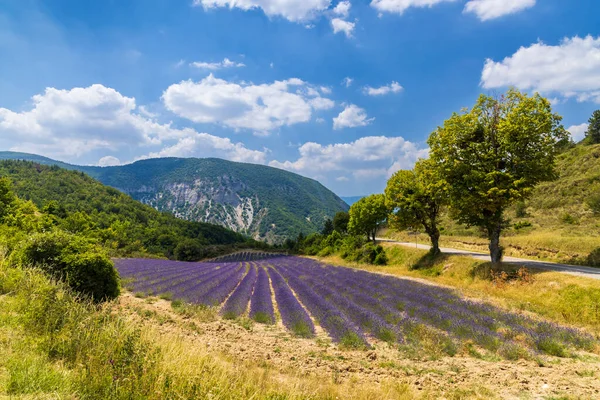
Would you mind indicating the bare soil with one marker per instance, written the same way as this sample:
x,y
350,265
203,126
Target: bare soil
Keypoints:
x,y
273,347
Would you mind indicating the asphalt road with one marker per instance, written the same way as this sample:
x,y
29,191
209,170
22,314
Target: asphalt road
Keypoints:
x,y
586,272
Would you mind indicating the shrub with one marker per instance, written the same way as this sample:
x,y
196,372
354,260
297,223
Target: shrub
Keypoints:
x,y
188,250
593,259
73,260
593,202
568,219
522,224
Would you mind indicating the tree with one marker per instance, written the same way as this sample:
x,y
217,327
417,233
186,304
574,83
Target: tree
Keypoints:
x,y
592,136
7,198
494,155
340,222
327,228
415,199
367,215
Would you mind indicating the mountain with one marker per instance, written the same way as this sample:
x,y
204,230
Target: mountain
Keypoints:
x,y
263,202
352,199
79,204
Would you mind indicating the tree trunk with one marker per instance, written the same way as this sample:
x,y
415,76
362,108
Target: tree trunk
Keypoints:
x,y
434,236
495,249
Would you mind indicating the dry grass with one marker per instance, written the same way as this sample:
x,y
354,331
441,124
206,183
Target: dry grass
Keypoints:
x,y
547,245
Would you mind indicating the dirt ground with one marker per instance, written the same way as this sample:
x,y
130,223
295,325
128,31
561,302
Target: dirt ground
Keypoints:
x,y
273,347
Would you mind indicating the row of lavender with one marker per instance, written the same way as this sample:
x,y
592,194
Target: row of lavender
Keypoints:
x,y
351,305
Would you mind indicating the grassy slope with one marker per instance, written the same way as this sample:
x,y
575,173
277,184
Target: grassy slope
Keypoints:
x,y
563,229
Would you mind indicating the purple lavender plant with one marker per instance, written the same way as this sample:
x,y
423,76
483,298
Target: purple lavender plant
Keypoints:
x,y
261,306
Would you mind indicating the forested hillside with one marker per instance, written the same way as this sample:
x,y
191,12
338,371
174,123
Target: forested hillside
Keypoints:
x,y
262,202
76,203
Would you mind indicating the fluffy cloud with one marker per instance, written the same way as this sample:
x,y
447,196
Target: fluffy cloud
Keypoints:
x,y
261,108
226,63
339,25
393,87
399,6
109,161
205,145
351,117
570,69
490,9
371,159
342,9
347,81
293,10
69,124
578,132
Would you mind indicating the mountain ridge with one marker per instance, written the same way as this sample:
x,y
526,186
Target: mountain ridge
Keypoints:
x,y
263,202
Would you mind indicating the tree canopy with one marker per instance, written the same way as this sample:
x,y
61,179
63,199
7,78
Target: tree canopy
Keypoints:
x,y
415,198
340,222
367,215
493,155
592,136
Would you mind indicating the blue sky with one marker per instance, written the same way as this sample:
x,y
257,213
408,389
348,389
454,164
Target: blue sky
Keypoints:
x,y
345,92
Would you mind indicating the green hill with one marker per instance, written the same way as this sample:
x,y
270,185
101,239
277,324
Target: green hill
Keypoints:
x,y
263,202
82,205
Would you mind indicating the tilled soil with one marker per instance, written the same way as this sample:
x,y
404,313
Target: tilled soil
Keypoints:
x,y
274,347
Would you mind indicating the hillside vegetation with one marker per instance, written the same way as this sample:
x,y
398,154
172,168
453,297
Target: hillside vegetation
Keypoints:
x,y
76,203
259,201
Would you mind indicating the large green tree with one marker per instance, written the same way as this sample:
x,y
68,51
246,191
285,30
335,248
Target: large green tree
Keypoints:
x,y
340,221
367,214
415,199
592,136
494,155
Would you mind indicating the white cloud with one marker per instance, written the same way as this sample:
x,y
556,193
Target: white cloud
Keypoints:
x,y
351,117
226,63
399,6
325,90
347,81
490,9
293,10
570,69
109,161
578,132
70,124
371,158
342,9
339,25
261,108
393,87
205,145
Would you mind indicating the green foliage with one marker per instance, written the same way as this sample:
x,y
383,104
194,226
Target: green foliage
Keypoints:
x,y
188,250
592,136
7,198
367,215
327,227
341,221
74,260
76,203
593,202
494,155
416,199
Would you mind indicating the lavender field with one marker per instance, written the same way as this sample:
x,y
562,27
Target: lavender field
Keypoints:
x,y
356,308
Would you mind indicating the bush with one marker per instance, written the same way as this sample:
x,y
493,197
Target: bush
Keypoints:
x,y
188,250
593,259
593,202
73,260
